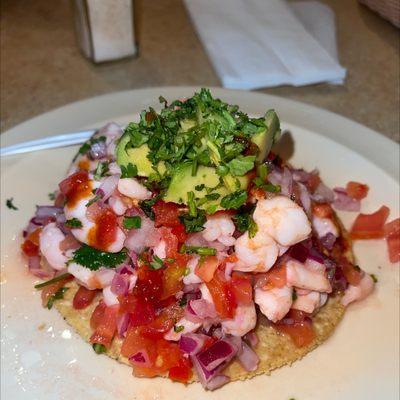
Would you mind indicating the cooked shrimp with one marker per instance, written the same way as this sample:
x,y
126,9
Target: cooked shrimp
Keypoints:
x,y
256,254
160,250
188,326
323,226
49,242
244,321
191,277
283,220
298,275
132,188
91,279
359,292
117,205
274,303
309,302
220,228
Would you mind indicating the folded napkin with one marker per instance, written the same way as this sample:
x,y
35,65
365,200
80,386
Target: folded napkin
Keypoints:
x,y
261,43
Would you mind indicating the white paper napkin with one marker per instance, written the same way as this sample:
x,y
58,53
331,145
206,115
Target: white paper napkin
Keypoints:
x,y
261,43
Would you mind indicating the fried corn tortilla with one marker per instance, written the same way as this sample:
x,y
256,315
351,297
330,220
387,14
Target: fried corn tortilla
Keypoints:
x,y
274,350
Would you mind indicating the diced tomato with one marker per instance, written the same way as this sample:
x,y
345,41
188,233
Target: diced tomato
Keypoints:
x,y
180,232
322,210
392,235
182,372
370,226
312,183
75,187
172,280
171,242
351,272
97,315
141,310
301,331
241,287
83,298
104,232
49,290
276,277
222,295
206,268
149,284
106,327
357,190
166,214
167,318
31,244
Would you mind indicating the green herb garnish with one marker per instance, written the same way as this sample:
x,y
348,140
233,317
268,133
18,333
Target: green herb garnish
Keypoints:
x,y
157,262
56,296
234,200
101,170
245,222
240,165
94,259
294,295
178,328
87,145
374,278
147,206
134,222
201,251
191,204
10,205
194,224
99,348
52,195
129,171
53,280
73,223
93,200
183,302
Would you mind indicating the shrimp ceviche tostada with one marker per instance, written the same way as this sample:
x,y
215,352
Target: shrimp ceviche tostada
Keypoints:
x,y
184,247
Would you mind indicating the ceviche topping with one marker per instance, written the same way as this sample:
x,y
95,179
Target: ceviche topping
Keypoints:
x,y
183,230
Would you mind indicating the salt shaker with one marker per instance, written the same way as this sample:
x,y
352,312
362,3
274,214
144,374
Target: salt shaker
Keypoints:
x,y
105,29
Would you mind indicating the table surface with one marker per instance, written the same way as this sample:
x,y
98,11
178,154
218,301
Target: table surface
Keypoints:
x,y
42,67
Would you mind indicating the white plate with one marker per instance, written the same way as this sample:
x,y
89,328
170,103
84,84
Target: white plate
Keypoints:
x,y
42,358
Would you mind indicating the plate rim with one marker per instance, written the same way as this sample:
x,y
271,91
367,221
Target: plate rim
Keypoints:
x,y
353,135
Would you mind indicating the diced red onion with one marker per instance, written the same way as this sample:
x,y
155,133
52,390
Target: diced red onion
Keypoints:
x,y
247,358
122,324
251,338
141,359
275,177
344,202
218,353
36,269
305,198
287,182
94,210
217,382
47,211
299,252
107,187
299,175
315,256
202,308
328,241
69,243
120,284
97,150
146,236
192,343
134,257
323,194
125,269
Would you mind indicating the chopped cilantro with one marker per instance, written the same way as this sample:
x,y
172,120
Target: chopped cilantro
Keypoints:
x,y
51,281
157,263
240,165
147,206
56,296
244,222
101,170
262,171
201,251
10,205
199,188
374,278
134,222
183,302
128,171
294,295
99,348
88,145
186,272
73,223
178,328
269,187
94,259
191,204
234,200
194,224
222,170
93,200
52,195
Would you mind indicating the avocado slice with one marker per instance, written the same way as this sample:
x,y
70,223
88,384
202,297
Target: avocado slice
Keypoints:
x,y
265,139
136,156
183,182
